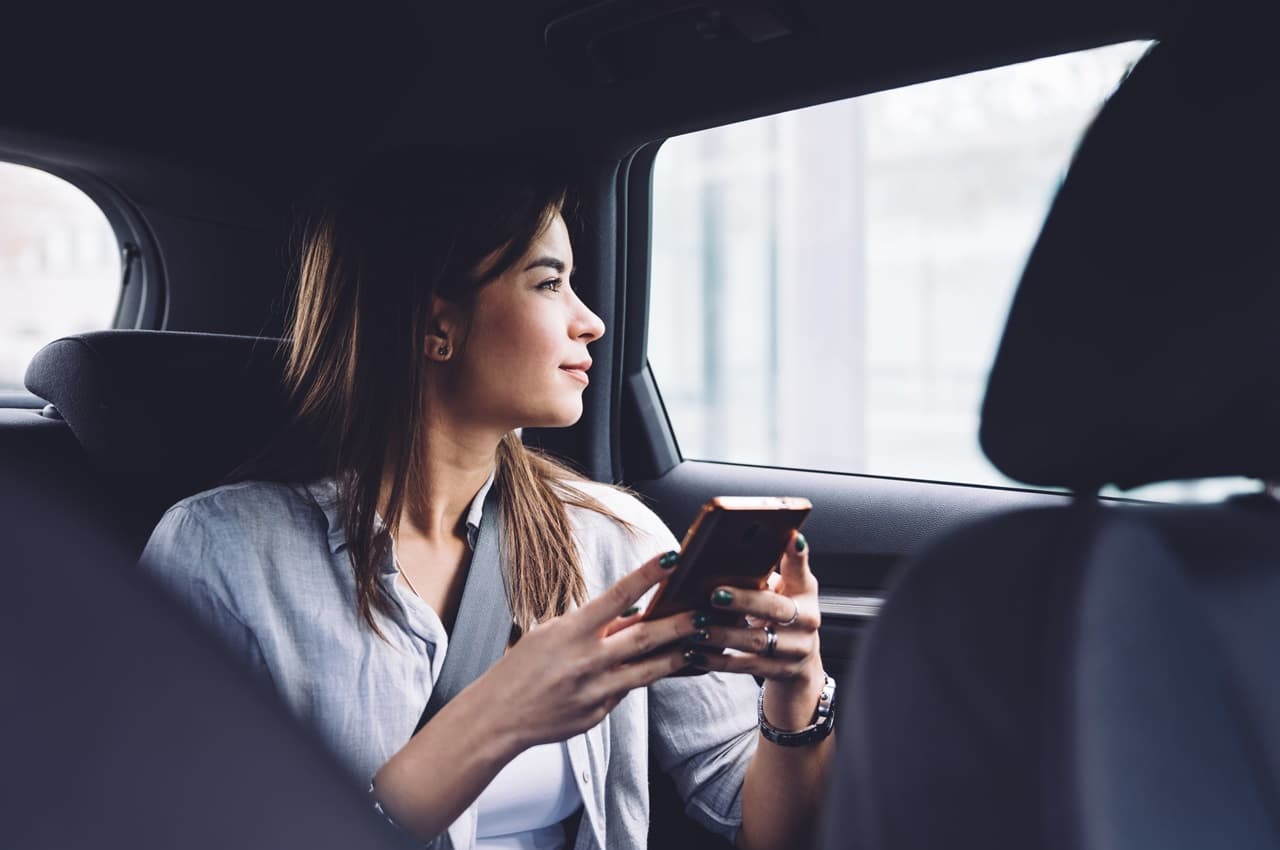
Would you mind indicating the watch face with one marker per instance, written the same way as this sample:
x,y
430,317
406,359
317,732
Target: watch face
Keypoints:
x,y
827,698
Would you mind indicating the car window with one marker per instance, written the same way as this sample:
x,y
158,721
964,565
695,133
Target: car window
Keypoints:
x,y
828,286
59,266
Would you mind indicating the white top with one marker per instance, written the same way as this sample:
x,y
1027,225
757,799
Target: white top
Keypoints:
x,y
524,805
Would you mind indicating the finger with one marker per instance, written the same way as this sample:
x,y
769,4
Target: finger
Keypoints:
x,y
643,638
645,671
629,617
760,604
751,663
795,562
772,584
775,579
598,613
791,644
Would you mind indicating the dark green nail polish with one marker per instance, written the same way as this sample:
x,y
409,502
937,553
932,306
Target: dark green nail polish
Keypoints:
x,y
668,560
630,612
700,619
703,635
801,543
697,659
721,597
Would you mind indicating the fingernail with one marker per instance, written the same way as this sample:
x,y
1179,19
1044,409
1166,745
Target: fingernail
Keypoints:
x,y
697,659
700,619
801,543
702,635
630,612
721,597
668,560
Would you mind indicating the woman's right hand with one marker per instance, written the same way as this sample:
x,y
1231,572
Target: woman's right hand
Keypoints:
x,y
559,680
565,675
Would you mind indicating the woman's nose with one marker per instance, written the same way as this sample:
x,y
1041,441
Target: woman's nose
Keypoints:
x,y
588,326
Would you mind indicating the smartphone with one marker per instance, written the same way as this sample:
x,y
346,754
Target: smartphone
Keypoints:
x,y
735,541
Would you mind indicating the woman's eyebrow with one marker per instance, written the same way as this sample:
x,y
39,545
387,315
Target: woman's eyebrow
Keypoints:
x,y
550,263
546,262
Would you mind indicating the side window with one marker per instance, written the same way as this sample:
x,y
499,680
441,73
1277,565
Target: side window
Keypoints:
x,y
828,286
59,266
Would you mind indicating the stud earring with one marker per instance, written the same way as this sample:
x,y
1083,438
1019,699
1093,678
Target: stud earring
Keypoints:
x,y
443,350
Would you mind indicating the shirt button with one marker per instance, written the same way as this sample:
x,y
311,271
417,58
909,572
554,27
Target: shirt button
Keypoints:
x,y
586,777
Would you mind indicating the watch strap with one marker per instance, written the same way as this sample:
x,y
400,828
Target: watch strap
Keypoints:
x,y
824,720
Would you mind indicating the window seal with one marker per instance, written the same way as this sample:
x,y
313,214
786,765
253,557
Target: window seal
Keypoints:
x,y
142,297
645,442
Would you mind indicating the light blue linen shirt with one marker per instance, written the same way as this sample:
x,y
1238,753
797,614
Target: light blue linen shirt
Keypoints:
x,y
265,565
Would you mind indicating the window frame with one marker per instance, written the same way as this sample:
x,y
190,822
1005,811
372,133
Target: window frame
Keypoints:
x,y
645,441
645,445
141,298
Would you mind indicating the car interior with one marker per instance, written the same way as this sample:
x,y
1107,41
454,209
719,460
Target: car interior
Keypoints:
x,y
1028,665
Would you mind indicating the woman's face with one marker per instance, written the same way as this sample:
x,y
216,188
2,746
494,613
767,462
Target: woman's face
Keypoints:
x,y
524,362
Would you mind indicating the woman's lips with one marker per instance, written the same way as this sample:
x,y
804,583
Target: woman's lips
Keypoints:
x,y
576,372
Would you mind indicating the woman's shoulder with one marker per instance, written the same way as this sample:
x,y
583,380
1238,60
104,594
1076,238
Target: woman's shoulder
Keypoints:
x,y
614,542
625,512
232,522
222,536
260,501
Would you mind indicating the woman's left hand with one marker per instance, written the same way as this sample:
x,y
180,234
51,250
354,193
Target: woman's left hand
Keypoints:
x,y
788,608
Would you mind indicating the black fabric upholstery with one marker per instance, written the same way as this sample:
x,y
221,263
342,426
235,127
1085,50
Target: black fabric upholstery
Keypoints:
x,y
124,726
29,435
163,415
1168,742
1140,345
1072,678
942,721
56,463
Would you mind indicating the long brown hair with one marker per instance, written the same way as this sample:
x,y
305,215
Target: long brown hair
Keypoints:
x,y
368,266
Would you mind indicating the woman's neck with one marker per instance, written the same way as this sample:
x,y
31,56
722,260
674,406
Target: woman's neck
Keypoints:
x,y
454,467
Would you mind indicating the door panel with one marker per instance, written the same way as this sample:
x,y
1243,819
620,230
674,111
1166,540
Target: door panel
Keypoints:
x,y
860,528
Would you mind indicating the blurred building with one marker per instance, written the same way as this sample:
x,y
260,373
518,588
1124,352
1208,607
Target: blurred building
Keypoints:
x,y
829,285
59,266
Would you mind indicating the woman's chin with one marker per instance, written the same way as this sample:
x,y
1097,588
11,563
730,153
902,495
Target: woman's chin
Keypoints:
x,y
561,416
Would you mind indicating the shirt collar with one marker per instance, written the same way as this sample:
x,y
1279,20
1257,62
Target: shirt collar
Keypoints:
x,y
325,493
476,512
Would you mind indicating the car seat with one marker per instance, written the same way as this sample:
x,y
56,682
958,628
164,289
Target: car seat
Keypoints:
x,y
162,415
124,726
1102,675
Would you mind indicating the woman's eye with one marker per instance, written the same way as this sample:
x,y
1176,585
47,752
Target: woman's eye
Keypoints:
x,y
552,285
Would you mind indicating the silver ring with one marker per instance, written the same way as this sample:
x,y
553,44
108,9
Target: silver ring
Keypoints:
x,y
772,646
795,615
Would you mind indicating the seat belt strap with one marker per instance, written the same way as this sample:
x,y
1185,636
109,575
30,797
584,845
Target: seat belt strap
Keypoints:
x,y
482,628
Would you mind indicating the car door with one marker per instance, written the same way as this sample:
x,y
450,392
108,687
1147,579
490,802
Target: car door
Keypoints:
x,y
813,299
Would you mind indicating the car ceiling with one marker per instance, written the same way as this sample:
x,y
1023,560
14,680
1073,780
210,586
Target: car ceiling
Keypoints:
x,y
281,94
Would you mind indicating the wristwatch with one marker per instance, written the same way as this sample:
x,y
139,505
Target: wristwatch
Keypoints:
x,y
824,720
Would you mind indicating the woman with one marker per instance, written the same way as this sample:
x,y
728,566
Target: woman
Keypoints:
x,y
424,334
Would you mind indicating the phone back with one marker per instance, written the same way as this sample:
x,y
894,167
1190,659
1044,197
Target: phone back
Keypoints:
x,y
735,542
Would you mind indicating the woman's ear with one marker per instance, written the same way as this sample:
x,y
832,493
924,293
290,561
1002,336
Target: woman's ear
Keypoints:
x,y
443,336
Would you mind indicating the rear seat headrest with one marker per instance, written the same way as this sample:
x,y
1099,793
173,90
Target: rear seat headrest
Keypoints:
x,y
165,414
1141,345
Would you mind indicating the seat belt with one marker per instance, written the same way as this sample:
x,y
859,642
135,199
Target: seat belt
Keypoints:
x,y
483,626
482,629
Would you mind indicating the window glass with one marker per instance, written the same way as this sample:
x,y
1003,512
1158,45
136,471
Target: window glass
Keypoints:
x,y
828,286
59,266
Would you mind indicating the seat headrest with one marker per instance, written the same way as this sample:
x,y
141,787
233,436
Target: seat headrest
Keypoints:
x,y
1141,345
164,414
